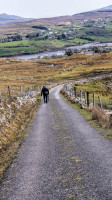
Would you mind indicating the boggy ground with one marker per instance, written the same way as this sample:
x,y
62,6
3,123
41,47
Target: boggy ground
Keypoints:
x,y
61,158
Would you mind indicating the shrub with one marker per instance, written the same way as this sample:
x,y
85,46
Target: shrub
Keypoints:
x,y
100,115
69,52
62,91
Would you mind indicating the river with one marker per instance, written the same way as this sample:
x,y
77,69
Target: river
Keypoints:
x,y
60,52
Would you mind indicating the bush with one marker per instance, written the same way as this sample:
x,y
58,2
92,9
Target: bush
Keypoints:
x,y
101,117
69,52
62,91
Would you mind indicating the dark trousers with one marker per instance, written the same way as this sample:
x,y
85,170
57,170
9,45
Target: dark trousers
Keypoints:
x,y
45,98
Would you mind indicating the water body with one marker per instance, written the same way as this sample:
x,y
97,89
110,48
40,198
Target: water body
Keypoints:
x,y
61,52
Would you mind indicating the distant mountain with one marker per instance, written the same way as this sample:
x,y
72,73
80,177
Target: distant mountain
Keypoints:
x,y
10,19
105,8
95,14
90,15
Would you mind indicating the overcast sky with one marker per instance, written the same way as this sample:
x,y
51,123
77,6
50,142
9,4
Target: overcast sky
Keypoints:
x,y
49,8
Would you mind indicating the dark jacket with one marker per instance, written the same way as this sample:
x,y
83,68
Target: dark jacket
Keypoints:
x,y
44,91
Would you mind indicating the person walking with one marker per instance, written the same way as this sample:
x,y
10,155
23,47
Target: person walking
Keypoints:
x,y
45,93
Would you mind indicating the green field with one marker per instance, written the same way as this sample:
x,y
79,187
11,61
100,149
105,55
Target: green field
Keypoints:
x,y
53,38
100,38
33,46
78,40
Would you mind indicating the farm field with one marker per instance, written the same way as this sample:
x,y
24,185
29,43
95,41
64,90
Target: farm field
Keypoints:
x,y
32,46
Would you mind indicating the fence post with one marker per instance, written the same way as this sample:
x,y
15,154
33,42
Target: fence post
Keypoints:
x,y
100,102
87,99
75,92
20,91
24,92
84,97
80,95
9,91
38,89
66,87
0,98
30,92
93,99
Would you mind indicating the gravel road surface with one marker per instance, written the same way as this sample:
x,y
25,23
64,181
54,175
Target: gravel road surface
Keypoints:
x,y
62,157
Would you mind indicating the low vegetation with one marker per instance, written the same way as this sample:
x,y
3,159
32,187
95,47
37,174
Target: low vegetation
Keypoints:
x,y
103,119
15,119
96,116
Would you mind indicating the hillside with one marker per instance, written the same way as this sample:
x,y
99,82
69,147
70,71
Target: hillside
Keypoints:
x,y
95,14
10,19
106,8
49,34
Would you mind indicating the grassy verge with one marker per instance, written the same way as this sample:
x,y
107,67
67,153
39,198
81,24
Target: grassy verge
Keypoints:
x,y
106,132
13,131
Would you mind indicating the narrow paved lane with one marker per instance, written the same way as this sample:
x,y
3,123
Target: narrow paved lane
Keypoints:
x,y
61,158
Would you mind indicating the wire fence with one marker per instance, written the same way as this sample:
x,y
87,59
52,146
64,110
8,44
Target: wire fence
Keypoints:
x,y
89,99
23,92
12,99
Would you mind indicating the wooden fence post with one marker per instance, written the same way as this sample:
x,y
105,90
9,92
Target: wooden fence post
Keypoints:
x,y
87,99
84,97
0,98
24,92
80,95
9,91
93,99
100,102
29,92
66,87
75,92
20,91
